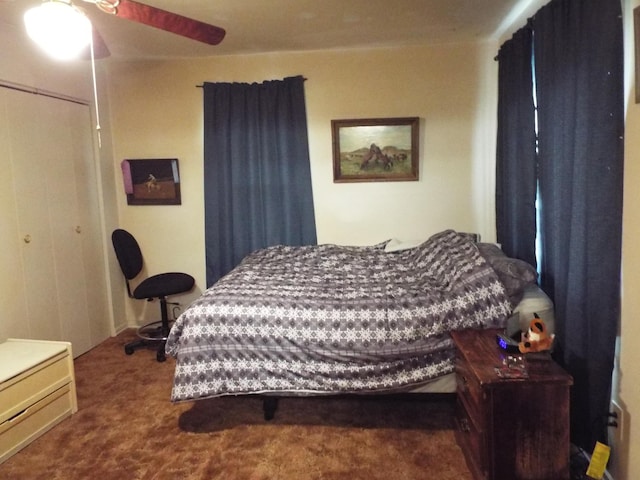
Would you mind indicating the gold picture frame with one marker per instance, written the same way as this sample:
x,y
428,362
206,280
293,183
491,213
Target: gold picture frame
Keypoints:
x,y
375,149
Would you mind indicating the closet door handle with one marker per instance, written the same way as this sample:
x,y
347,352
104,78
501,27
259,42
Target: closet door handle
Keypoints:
x,y
78,229
27,238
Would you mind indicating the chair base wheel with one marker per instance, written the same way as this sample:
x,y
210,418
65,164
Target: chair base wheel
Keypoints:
x,y
151,335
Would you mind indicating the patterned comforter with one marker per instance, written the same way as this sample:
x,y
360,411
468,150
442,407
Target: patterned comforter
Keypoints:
x,y
328,319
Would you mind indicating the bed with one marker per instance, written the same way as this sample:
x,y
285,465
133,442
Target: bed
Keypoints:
x,y
331,319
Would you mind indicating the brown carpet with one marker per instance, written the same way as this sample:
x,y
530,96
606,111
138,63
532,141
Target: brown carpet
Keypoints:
x,y
126,428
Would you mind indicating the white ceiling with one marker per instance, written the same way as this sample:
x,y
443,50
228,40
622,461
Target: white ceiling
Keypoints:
x,y
258,26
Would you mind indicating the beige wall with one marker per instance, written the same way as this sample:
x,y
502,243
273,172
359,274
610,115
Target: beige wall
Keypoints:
x,y
628,391
157,112
22,62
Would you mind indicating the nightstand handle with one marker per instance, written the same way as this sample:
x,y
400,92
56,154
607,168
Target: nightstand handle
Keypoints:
x,y
464,425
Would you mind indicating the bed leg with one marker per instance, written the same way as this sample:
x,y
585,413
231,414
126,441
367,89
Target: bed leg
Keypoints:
x,y
269,406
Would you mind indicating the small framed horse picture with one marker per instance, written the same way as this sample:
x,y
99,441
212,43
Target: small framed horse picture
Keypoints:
x,y
375,149
152,181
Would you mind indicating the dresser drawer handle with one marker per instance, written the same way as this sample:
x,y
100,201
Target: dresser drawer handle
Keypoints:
x,y
464,425
463,383
20,413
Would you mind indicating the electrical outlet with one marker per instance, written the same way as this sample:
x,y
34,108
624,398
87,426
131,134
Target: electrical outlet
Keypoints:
x,y
616,432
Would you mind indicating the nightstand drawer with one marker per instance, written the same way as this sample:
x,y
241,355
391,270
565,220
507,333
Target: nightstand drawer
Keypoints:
x,y
23,390
17,432
469,389
470,437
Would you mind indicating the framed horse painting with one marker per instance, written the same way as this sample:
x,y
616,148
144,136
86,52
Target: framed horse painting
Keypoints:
x,y
375,149
152,181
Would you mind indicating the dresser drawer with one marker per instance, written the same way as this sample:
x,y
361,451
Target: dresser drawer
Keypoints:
x,y
28,387
471,438
470,392
467,382
18,431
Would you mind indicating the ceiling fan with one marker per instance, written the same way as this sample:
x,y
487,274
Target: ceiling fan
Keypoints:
x,y
51,13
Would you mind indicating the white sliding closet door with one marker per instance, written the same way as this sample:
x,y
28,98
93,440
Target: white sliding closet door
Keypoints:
x,y
58,220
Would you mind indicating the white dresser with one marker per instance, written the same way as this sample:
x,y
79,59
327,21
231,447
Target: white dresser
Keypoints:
x,y
37,390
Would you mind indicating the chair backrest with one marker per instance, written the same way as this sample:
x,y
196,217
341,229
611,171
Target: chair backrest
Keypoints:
x,y
127,252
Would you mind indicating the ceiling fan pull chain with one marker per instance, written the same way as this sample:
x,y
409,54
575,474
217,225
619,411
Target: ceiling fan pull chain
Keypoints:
x,y
95,93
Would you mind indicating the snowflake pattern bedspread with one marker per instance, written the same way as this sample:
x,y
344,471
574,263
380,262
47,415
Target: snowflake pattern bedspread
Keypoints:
x,y
329,319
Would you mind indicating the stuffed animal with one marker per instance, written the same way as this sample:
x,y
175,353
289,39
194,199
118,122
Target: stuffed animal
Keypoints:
x,y
537,338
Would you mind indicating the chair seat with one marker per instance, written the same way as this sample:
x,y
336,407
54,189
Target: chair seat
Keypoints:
x,y
164,284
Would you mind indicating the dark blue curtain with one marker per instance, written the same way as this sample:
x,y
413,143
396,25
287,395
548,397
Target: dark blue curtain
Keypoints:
x,y
578,49
256,170
516,150
578,78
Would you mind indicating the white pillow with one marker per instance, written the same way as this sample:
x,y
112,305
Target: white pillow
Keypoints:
x,y
395,245
533,301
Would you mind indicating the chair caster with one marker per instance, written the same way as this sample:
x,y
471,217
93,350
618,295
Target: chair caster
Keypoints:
x,y
128,350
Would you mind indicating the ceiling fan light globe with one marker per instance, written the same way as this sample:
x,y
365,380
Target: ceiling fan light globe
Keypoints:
x,y
59,28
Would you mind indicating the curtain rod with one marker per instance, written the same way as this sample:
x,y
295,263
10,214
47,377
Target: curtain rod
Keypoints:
x,y
38,91
202,86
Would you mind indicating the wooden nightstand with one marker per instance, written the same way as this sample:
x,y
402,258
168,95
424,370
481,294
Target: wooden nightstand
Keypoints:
x,y
510,429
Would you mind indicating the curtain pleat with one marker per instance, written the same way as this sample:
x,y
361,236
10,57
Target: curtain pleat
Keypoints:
x,y
256,170
516,176
579,77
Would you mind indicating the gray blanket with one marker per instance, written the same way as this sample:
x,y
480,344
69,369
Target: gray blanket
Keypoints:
x,y
334,319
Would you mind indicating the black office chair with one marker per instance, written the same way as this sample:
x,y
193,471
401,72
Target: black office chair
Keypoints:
x,y
157,286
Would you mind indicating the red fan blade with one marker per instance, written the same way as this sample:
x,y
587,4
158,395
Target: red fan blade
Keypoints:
x,y
170,22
